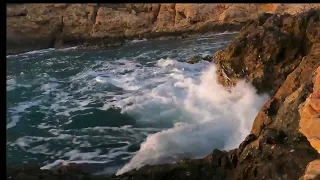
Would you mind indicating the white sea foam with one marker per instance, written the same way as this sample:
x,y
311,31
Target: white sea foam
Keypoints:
x,y
14,120
69,48
42,51
11,83
49,87
40,149
138,40
203,113
182,102
217,118
20,108
60,162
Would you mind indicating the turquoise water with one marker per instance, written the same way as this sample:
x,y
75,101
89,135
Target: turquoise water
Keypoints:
x,y
95,107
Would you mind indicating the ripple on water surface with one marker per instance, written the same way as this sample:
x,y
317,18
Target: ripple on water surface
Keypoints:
x,y
62,105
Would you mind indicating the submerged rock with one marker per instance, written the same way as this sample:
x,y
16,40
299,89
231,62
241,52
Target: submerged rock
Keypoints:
x,y
198,58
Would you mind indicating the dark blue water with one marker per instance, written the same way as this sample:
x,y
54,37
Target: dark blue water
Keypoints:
x,y
97,106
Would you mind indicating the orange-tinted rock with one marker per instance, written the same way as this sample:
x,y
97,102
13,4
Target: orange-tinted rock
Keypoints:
x,y
315,101
34,26
310,115
312,171
267,51
293,81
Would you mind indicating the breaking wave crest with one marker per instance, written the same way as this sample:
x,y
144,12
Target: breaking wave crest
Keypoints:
x,y
213,117
59,105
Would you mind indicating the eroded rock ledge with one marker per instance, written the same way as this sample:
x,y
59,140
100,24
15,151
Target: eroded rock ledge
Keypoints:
x,y
279,54
38,26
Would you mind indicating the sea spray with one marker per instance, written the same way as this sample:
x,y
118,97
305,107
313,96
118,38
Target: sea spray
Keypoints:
x,y
59,105
219,118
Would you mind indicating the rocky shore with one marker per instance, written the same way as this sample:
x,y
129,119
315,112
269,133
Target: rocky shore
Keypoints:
x,y
279,55
41,26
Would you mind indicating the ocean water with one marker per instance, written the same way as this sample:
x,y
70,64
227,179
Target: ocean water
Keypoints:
x,y
118,109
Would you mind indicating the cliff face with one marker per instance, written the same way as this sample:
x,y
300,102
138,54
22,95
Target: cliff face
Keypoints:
x,y
278,54
36,26
267,50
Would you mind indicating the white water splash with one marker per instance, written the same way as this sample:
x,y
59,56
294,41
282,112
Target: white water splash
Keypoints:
x,y
182,102
42,51
218,118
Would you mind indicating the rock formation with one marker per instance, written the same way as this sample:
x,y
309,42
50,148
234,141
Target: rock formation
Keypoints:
x,y
198,58
268,49
312,171
310,113
278,54
38,26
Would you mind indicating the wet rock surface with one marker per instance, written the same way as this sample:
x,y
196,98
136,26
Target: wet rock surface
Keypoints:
x,y
198,58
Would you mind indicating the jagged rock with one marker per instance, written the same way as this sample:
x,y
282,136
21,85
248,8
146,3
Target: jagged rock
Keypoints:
x,y
265,51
